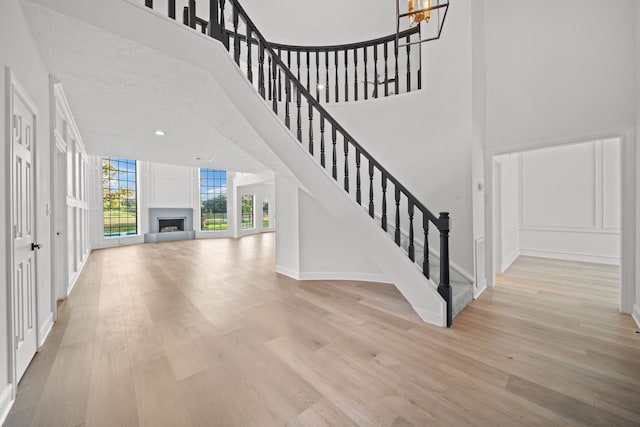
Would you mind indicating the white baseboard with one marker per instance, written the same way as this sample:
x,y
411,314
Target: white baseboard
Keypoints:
x,y
360,277
45,329
636,314
6,402
437,319
510,259
480,289
288,272
597,259
74,279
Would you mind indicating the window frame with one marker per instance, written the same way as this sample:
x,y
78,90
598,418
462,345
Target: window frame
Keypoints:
x,y
136,198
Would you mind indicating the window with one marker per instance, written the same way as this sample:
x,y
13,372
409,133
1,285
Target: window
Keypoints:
x,y
265,213
213,200
119,197
247,211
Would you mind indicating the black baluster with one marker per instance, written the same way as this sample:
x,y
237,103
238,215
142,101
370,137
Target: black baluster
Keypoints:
x,y
287,107
366,75
346,164
192,14
223,29
172,9
310,127
397,74
326,83
148,3
269,81
371,212
236,38
261,70
334,170
408,63
397,232
425,261
279,79
214,30
308,73
185,15
322,159
336,64
375,71
358,182
384,202
249,65
318,76
355,77
419,62
386,70
444,288
299,103
298,62
274,99
346,75
412,249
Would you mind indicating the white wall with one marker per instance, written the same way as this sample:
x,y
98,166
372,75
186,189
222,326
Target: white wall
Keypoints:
x,y
508,179
571,202
19,52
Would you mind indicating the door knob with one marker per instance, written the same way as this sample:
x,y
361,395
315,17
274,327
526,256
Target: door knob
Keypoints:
x,y
35,246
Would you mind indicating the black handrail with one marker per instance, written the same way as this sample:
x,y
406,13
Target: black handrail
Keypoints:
x,y
348,46
278,73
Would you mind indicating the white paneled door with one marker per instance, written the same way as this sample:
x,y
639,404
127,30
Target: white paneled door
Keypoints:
x,y
23,118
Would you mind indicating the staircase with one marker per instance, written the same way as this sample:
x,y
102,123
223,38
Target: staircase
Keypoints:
x,y
394,228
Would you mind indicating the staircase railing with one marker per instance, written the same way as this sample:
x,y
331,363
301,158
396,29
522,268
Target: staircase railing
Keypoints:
x,y
334,72
267,71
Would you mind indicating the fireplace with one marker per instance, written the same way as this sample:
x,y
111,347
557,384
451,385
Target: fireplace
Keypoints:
x,y
168,225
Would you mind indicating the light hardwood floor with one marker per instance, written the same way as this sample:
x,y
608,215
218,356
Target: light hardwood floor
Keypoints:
x,y
205,333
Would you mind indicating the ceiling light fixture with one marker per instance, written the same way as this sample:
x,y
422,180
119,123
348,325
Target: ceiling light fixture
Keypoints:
x,y
204,159
419,11
159,132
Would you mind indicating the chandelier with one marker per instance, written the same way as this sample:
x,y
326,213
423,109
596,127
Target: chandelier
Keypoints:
x,y
430,12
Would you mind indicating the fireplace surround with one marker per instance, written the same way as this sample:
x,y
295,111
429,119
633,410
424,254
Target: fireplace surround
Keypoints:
x,y
168,224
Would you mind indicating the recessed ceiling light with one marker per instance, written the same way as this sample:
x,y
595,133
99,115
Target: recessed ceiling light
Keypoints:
x,y
204,159
159,132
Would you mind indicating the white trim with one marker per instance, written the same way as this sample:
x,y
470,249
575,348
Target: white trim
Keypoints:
x,y
76,275
287,272
437,319
571,256
329,275
359,277
6,402
63,103
45,329
636,314
567,229
477,291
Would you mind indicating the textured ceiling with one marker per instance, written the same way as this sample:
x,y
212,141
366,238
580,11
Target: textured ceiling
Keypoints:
x,y
120,92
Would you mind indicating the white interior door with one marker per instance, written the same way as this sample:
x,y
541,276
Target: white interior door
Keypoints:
x,y
24,287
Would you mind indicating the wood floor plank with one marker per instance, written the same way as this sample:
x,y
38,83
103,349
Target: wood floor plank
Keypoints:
x,y
206,333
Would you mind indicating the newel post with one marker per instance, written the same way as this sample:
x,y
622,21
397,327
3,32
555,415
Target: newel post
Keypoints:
x,y
444,288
